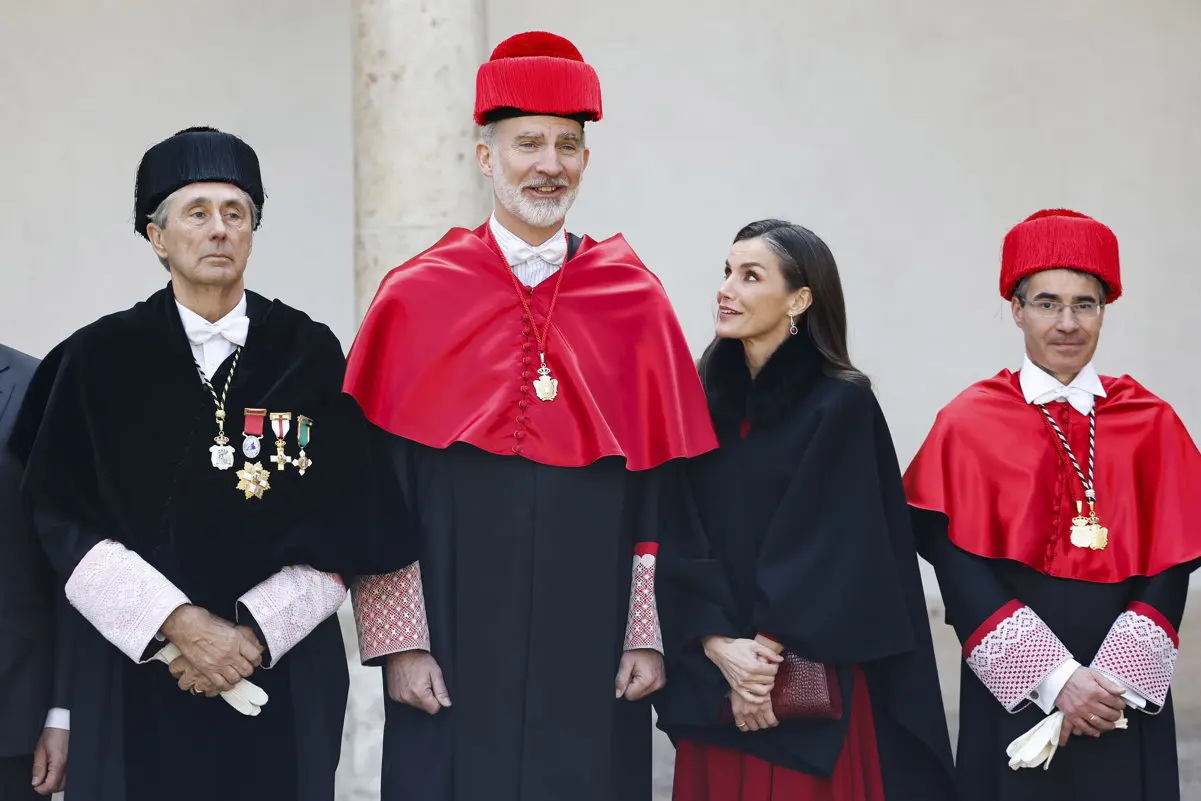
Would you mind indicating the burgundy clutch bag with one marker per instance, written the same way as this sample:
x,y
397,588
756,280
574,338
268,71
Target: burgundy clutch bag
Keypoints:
x,y
803,689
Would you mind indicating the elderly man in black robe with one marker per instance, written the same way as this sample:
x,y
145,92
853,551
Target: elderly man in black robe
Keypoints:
x,y
224,559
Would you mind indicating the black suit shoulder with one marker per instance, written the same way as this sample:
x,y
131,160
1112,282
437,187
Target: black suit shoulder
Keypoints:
x,y
20,365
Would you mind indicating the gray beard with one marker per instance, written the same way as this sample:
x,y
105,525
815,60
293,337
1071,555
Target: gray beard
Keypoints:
x,y
533,212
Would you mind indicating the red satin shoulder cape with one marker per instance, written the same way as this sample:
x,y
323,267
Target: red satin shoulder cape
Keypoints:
x,y
444,355
994,467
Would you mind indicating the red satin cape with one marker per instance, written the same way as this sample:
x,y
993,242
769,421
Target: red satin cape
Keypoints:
x,y
444,355
994,466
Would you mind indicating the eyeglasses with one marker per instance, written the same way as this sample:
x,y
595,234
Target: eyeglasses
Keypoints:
x,y
1050,309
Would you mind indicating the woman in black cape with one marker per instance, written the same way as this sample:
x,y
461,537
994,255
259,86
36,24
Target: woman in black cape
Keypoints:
x,y
796,540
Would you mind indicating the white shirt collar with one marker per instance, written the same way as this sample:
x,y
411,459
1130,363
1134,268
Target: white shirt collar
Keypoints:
x,y
1039,386
517,251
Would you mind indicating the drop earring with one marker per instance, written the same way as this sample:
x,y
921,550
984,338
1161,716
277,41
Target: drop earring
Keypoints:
x,y
792,329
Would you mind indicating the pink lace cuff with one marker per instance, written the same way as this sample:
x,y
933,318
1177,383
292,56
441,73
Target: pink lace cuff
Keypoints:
x,y
1140,652
642,626
1012,652
123,597
289,605
389,612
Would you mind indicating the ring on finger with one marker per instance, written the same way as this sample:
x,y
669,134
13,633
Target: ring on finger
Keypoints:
x,y
741,725
1092,717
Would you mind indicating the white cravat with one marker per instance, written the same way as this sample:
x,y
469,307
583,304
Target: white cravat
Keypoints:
x,y
1040,387
532,264
213,342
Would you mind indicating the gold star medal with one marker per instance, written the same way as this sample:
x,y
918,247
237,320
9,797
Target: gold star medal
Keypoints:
x,y
253,480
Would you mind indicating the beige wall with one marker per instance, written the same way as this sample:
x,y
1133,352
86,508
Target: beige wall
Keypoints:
x,y
85,88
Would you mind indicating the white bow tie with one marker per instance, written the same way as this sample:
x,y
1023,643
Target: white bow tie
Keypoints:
x,y
553,252
1081,399
233,330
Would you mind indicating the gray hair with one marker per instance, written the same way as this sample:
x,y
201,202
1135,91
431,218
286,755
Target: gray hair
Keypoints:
x,y
1020,290
488,135
158,217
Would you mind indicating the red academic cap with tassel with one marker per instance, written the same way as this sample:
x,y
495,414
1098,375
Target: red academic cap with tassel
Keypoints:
x,y
535,74
1060,238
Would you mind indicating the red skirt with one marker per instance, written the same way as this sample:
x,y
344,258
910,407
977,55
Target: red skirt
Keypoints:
x,y
711,773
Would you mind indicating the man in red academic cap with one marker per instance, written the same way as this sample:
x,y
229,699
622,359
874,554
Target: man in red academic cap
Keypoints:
x,y
1054,506
541,395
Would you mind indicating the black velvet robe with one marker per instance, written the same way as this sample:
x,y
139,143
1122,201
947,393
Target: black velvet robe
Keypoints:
x,y
118,427
1138,763
806,538
526,570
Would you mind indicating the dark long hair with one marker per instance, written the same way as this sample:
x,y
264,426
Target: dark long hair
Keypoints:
x,y
807,261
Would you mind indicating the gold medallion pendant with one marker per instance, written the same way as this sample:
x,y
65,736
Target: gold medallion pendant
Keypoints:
x,y
253,480
221,455
545,387
1087,532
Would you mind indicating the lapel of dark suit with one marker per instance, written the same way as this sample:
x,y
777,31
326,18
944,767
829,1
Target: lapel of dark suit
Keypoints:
x,y
6,386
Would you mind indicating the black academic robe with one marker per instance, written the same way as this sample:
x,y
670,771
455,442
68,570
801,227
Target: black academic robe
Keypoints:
x,y
526,570
118,427
1137,763
805,537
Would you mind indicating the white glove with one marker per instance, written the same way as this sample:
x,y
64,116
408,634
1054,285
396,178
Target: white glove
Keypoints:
x,y
1038,746
246,696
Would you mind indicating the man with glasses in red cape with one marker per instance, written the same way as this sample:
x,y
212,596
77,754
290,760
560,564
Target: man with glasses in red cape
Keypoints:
x,y
1057,507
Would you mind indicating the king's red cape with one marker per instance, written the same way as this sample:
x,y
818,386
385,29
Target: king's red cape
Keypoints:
x,y
995,467
445,355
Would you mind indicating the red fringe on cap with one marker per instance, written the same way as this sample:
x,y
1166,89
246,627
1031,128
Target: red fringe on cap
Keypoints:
x,y
1058,238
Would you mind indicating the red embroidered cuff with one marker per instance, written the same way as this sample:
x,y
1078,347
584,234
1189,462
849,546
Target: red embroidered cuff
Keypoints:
x,y
642,626
1012,652
1140,652
290,604
389,612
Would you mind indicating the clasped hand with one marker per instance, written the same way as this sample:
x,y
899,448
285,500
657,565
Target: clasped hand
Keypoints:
x,y
749,666
1091,704
215,654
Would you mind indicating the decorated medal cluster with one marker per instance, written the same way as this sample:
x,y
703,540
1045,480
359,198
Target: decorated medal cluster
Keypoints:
x,y
254,479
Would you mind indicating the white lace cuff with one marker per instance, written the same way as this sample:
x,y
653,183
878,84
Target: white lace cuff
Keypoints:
x,y
642,626
1140,653
123,596
289,605
1012,652
389,612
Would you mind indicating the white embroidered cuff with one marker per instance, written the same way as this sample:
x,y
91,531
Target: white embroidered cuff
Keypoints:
x,y
642,625
289,605
1012,652
1140,653
389,612
123,596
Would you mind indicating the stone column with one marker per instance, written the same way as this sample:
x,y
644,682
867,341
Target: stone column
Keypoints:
x,y
414,91
415,177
